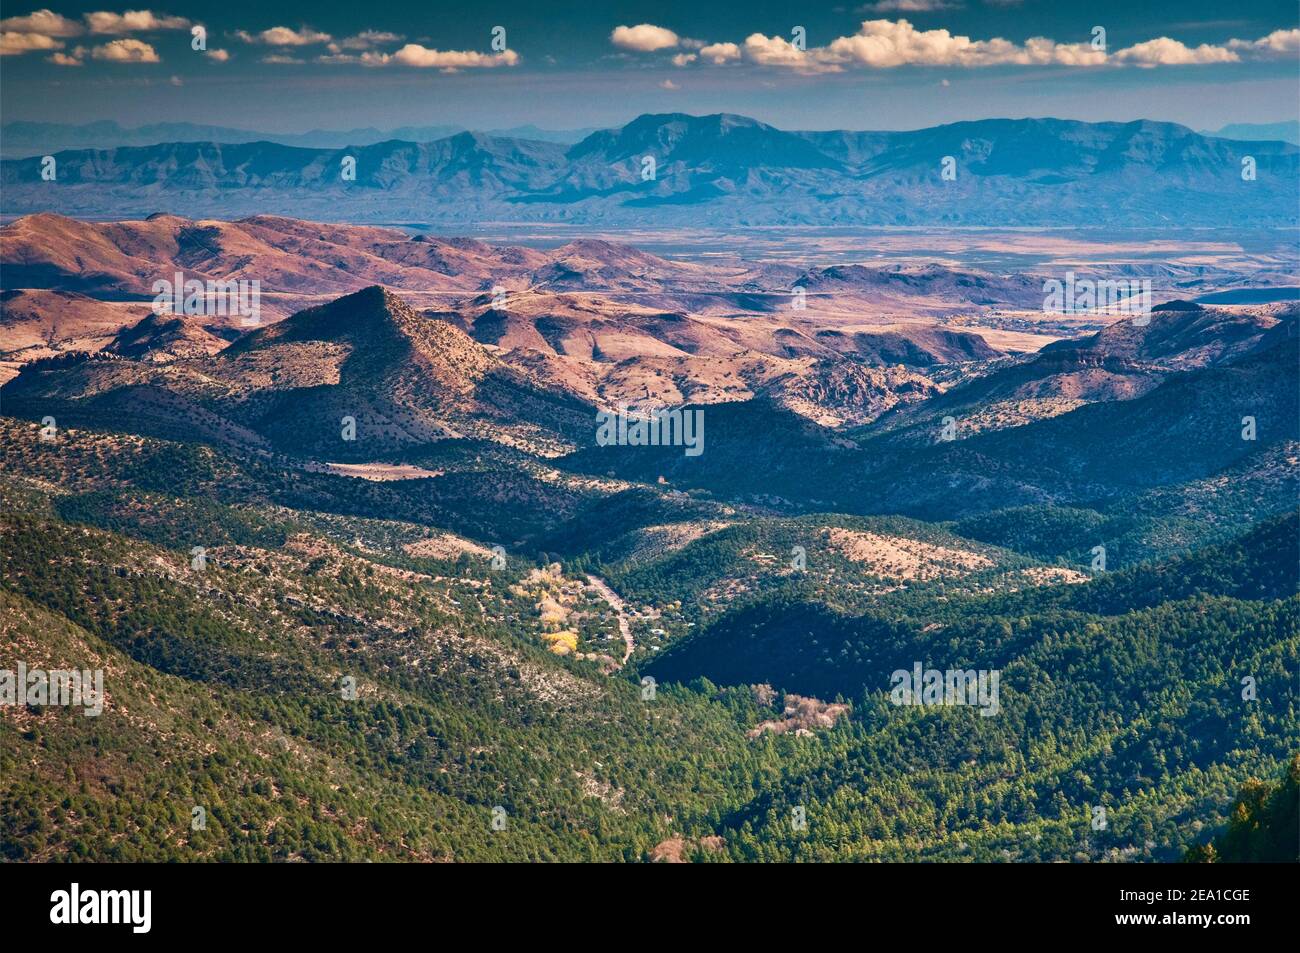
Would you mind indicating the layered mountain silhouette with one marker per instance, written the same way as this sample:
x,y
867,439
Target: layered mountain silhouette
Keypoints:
x,y
289,255
21,139
361,377
722,170
1140,426
602,321
164,338
124,258
1123,361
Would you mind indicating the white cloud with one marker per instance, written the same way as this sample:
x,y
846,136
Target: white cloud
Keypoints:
x,y
420,57
126,51
668,84
888,44
780,52
1040,51
644,38
719,53
682,59
133,21
279,59
412,54
1277,43
884,44
1163,51
40,30
46,22
220,56
13,44
284,36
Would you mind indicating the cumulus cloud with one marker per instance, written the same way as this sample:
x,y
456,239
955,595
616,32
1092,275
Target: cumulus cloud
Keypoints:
x,y
644,38
42,29
888,44
719,53
412,54
284,36
1278,43
682,59
279,59
133,21
1163,51
778,51
668,84
126,51
885,44
1040,51
45,22
220,56
421,57
12,44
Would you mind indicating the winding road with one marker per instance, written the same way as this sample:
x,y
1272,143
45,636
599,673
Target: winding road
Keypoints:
x,y
610,596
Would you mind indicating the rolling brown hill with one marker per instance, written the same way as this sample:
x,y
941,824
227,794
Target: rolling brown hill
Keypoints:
x,y
1121,362
36,323
165,337
405,380
610,350
283,254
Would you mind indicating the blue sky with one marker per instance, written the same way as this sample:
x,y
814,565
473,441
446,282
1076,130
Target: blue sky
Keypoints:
x,y
888,64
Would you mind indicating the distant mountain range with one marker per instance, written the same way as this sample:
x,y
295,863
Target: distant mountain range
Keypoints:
x,y
720,170
1288,131
23,139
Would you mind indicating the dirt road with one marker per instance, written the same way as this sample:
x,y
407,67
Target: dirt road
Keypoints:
x,y
610,596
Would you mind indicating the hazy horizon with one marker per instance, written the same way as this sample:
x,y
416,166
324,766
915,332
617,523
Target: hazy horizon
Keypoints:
x,y
888,65
577,131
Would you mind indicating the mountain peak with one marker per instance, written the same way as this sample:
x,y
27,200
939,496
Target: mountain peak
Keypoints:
x,y
718,121
166,337
379,330
357,315
726,142
468,141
